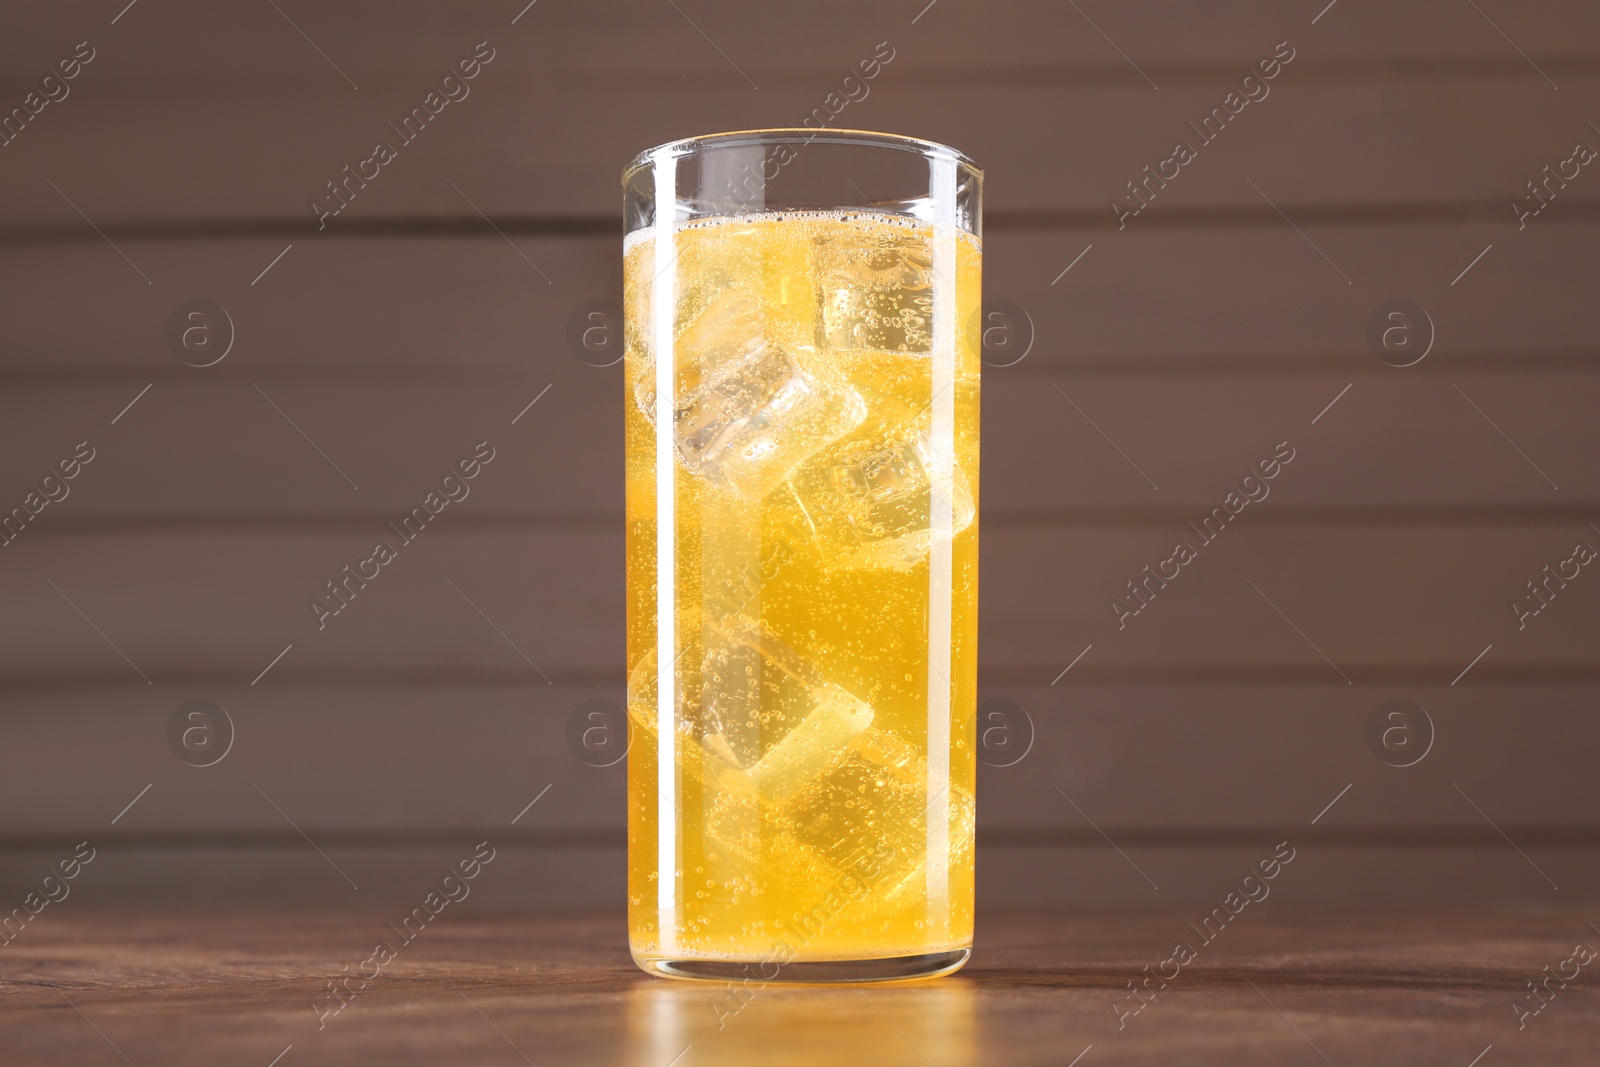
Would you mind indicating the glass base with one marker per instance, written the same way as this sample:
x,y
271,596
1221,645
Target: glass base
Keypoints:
x,y
808,972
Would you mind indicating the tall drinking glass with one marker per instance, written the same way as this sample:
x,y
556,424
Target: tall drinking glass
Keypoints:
x,y
802,353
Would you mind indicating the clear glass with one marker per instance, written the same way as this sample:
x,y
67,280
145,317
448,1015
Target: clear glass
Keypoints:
x,y
802,499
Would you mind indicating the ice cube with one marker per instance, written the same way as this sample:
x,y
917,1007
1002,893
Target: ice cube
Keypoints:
x,y
749,409
770,712
756,724
867,498
755,706
867,816
726,326
837,718
877,291
729,329
753,422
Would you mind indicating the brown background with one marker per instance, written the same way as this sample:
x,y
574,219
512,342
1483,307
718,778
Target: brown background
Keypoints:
x,y
1196,339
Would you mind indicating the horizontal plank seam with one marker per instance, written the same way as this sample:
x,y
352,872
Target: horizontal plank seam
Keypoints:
x,y
1043,365
202,994
19,686
546,79
1538,836
1015,220
1281,365
1082,517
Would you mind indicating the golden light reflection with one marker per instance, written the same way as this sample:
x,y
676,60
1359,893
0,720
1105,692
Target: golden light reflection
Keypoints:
x,y
700,1024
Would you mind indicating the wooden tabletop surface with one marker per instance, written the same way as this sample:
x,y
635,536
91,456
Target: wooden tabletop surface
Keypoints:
x,y
1283,987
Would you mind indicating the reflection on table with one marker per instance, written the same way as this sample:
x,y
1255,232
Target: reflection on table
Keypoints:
x,y
690,1024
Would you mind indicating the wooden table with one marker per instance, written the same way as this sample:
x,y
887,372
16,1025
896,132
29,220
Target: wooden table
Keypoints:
x,y
1274,987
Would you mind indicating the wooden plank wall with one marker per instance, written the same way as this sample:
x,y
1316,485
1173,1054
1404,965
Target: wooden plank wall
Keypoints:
x,y
1174,354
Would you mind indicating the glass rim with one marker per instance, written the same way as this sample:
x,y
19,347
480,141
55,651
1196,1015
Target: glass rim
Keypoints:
x,y
786,134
